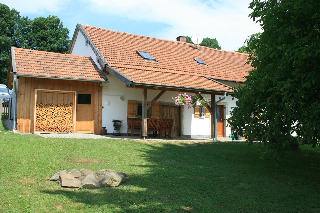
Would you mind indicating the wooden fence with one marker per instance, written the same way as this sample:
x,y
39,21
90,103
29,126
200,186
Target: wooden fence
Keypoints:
x,y
4,109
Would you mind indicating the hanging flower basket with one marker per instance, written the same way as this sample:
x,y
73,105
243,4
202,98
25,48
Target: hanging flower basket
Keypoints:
x,y
182,99
198,100
191,101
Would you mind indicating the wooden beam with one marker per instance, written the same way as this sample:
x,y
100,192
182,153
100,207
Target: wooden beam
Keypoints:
x,y
213,115
144,114
156,98
175,89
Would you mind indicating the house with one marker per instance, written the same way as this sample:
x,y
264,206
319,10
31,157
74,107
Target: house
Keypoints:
x,y
129,76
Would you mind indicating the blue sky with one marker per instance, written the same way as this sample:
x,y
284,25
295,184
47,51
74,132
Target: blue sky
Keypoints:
x,y
225,20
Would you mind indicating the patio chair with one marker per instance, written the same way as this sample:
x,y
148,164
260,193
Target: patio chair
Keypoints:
x,y
153,125
166,127
134,123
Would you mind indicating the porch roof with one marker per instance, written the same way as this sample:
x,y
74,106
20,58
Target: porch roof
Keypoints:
x,y
174,66
42,64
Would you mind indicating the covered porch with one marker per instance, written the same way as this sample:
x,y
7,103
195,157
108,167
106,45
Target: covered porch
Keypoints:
x,y
162,125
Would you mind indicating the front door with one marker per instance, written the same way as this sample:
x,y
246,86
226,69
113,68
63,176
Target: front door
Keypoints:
x,y
85,110
220,121
172,112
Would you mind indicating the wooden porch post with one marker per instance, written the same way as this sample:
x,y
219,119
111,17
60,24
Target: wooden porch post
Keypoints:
x,y
144,114
213,116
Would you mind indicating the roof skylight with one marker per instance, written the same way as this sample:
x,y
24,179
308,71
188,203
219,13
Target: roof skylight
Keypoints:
x,y
146,56
199,61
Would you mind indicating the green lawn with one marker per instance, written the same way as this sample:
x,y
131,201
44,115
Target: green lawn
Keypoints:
x,y
162,177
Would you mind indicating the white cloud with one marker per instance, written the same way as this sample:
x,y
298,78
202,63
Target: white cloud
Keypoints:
x,y
26,7
227,21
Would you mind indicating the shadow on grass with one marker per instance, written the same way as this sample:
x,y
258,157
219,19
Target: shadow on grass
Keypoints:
x,y
212,177
3,126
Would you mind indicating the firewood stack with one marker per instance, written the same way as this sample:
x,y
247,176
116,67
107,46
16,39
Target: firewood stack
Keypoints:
x,y
54,118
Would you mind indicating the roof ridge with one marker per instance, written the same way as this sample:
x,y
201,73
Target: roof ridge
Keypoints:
x,y
49,52
162,39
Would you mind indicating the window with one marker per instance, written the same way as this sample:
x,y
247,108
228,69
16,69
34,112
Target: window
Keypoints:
x,y
201,112
3,89
135,110
199,61
219,113
139,111
84,99
146,56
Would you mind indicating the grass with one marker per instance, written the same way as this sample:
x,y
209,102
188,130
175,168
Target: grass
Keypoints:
x,y
162,177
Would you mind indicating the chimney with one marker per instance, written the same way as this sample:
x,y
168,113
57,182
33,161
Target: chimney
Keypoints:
x,y
182,38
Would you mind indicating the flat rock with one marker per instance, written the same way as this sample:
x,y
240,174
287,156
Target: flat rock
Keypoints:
x,y
85,173
89,179
90,182
55,177
75,173
67,180
109,177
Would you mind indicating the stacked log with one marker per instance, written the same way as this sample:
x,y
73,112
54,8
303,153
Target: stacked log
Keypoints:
x,y
54,117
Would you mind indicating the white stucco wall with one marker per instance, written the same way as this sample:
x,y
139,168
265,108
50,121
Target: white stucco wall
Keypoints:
x,y
228,104
115,96
195,127
81,47
200,127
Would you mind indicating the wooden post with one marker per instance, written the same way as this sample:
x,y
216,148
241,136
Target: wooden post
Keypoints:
x,y
34,110
1,101
74,112
144,114
213,115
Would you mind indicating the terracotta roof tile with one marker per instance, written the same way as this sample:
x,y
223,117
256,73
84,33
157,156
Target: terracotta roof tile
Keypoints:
x,y
55,65
175,60
171,79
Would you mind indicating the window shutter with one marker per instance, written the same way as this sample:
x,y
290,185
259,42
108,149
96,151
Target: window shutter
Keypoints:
x,y
207,114
156,110
197,112
132,108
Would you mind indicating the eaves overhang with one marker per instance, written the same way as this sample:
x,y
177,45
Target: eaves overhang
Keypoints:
x,y
216,81
61,78
191,89
127,80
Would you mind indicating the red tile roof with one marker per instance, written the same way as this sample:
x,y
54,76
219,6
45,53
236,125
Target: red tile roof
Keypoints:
x,y
175,64
54,65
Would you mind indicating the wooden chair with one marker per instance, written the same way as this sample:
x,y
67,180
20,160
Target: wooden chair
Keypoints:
x,y
134,123
166,126
153,125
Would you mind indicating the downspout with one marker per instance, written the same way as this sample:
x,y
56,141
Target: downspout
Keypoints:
x,y
10,108
215,120
14,94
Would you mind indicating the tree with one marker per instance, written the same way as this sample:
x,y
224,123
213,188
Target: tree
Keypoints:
x,y
208,42
281,94
8,20
250,44
41,34
46,34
